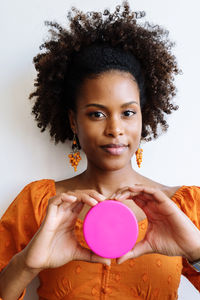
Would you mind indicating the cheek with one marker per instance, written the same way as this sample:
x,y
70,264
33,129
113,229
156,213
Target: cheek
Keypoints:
x,y
139,124
135,128
87,135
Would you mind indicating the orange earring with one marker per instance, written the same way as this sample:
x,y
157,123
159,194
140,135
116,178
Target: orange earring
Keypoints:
x,y
74,156
139,154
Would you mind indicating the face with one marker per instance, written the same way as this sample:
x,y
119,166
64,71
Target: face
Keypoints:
x,y
108,119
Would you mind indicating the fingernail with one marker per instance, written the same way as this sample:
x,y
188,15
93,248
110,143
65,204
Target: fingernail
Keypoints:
x,y
94,202
73,198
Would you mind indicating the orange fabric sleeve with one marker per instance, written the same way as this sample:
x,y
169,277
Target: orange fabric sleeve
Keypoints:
x,y
188,200
23,218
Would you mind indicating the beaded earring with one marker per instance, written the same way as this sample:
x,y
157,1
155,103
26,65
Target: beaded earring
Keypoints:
x,y
74,156
139,154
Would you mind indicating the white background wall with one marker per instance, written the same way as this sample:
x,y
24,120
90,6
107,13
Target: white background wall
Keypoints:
x,y
28,155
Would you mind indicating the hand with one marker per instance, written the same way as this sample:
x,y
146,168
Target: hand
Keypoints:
x,y
55,244
170,231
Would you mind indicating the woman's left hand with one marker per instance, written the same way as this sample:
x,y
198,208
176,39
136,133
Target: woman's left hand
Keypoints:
x,y
170,231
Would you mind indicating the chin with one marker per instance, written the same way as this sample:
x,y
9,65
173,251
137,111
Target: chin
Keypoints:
x,y
112,166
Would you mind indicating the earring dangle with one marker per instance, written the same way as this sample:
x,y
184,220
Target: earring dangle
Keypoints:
x,y
74,156
139,154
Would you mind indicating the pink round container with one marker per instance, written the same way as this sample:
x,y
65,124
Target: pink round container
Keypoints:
x,y
110,229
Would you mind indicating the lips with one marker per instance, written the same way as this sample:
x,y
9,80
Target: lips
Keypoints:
x,y
115,149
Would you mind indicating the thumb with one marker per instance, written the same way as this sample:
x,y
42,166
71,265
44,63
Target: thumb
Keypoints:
x,y
89,256
139,249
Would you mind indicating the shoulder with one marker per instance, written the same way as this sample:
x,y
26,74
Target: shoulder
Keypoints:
x,y
169,191
37,192
40,186
183,192
187,198
68,184
30,204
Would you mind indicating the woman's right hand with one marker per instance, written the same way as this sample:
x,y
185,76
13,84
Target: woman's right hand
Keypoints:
x,y
55,243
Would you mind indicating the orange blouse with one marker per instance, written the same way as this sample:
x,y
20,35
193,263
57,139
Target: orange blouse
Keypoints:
x,y
150,276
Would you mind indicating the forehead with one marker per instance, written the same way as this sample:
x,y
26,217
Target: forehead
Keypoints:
x,y
110,85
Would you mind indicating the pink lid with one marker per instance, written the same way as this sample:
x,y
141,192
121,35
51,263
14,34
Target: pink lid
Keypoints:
x,y
110,229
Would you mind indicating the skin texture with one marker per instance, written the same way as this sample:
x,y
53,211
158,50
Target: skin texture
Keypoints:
x,y
108,113
111,116
104,119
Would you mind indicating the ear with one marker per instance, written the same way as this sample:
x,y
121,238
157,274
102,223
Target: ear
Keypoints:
x,y
72,121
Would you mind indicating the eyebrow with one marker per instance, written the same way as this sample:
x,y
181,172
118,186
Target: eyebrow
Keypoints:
x,y
102,106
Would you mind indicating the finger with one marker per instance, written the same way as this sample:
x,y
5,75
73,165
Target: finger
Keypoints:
x,y
124,195
88,200
89,197
150,193
140,201
76,209
119,191
88,255
97,196
125,192
128,194
63,197
112,197
85,198
139,249
68,198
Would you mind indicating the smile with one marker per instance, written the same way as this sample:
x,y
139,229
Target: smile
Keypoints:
x,y
115,149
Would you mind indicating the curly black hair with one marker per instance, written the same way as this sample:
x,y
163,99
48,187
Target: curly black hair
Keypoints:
x,y
66,61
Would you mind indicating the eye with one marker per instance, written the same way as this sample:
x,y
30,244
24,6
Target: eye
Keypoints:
x,y
96,114
129,113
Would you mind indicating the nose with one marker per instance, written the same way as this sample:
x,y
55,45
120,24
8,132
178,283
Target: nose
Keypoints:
x,y
114,127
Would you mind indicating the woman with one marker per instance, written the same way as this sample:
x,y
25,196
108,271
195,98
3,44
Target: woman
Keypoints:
x,y
106,84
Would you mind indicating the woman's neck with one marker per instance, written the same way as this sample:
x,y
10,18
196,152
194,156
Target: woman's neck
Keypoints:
x,y
107,182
